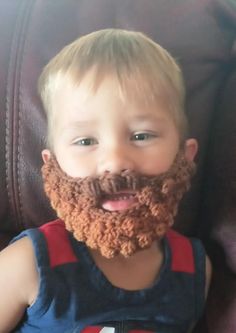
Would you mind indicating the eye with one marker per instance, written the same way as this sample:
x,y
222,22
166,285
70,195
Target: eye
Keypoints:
x,y
142,136
85,142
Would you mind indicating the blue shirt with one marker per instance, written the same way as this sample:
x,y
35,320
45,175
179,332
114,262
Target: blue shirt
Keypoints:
x,y
75,297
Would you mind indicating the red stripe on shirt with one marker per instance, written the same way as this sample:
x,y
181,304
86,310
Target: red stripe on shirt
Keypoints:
x,y
182,253
59,247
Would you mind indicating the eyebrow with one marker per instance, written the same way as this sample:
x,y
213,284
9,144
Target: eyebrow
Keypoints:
x,y
78,124
149,118
81,124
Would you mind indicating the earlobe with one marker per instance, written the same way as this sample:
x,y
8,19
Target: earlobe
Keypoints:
x,y
46,155
191,148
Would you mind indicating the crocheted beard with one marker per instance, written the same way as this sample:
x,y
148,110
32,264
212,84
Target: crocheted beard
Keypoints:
x,y
78,202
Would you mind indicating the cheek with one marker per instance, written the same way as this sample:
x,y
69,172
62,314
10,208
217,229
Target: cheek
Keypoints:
x,y
158,161
75,166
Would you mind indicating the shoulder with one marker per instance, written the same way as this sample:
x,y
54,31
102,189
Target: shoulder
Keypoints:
x,y
186,247
23,256
20,254
18,260
189,255
183,250
18,282
27,252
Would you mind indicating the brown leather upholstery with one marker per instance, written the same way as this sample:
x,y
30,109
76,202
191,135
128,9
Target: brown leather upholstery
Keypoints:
x,y
201,34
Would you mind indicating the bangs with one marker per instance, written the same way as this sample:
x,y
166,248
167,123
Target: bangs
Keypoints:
x,y
138,80
140,84
135,85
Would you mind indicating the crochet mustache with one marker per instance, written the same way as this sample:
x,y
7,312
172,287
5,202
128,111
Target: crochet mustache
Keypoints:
x,y
77,202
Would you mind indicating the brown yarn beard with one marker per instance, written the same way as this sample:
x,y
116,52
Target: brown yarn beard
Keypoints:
x,y
77,202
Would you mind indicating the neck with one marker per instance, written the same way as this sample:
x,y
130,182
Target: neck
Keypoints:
x,y
137,272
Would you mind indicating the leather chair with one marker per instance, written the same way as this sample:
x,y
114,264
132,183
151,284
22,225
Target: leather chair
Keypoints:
x,y
201,36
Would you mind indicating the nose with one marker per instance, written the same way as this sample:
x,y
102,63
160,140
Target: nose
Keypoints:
x,y
115,160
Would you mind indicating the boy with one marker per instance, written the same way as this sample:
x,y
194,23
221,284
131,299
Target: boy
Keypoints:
x,y
117,164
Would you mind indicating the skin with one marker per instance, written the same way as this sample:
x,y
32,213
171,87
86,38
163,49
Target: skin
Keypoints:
x,y
97,133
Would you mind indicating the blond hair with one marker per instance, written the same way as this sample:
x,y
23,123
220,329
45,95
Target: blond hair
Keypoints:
x,y
144,71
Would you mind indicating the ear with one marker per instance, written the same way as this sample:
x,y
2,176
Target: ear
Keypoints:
x,y
190,149
46,155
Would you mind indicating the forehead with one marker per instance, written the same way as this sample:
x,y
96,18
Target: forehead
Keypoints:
x,y
107,108
130,90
